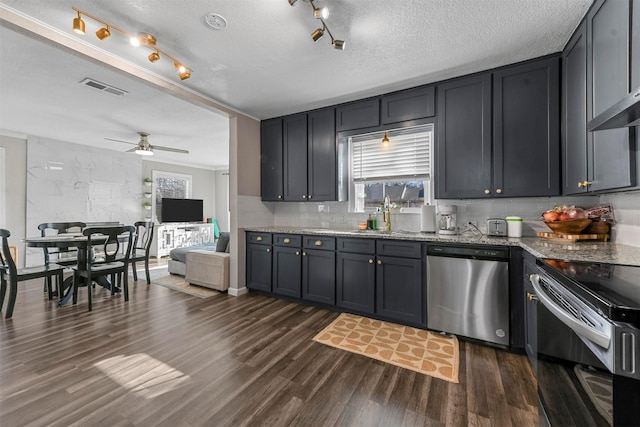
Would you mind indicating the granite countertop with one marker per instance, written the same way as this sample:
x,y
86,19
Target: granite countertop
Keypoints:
x,y
603,252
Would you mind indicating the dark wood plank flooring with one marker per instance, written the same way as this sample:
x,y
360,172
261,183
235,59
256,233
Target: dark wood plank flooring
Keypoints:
x,y
169,359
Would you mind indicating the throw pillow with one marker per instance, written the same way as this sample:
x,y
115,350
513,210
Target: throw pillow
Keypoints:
x,y
223,242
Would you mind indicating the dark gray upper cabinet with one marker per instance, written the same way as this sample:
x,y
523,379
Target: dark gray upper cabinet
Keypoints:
x,y
463,149
411,104
526,129
322,155
357,115
612,163
574,113
295,157
271,179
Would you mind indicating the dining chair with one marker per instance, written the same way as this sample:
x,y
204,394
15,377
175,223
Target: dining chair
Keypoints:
x,y
142,247
62,256
107,254
11,274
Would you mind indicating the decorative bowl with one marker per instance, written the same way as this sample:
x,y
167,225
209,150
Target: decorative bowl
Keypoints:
x,y
570,226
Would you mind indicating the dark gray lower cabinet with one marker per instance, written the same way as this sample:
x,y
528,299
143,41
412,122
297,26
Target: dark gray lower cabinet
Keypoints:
x,y
530,313
287,271
319,276
399,289
356,281
259,267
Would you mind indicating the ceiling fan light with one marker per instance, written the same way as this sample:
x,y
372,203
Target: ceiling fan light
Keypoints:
x,y
144,151
321,13
103,33
317,34
78,25
338,44
153,56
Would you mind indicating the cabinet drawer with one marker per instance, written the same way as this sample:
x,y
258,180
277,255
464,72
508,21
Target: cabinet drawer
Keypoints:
x,y
258,238
319,242
293,240
399,248
361,246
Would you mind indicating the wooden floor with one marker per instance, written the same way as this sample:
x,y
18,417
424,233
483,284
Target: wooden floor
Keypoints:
x,y
169,359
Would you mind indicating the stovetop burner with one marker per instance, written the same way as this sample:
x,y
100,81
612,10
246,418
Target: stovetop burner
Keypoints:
x,y
612,289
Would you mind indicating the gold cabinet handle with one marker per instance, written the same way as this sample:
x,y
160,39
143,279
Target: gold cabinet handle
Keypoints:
x,y
487,191
531,297
499,190
280,196
304,254
304,196
370,261
309,196
259,239
318,243
268,250
287,240
584,184
297,252
379,262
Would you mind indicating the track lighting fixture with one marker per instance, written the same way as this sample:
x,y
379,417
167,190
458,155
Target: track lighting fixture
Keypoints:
x,y
322,13
145,39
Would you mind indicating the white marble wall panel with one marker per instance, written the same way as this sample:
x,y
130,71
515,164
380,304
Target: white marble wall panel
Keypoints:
x,y
626,208
71,182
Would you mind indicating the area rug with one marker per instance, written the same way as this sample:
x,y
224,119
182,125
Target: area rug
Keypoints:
x,y
599,388
177,283
416,349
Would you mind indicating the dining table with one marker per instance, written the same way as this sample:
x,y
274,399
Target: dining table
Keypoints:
x,y
66,241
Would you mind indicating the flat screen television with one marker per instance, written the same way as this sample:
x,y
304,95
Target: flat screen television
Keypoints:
x,y
181,210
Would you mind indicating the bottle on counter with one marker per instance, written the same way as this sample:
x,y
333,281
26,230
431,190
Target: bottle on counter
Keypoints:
x,y
370,223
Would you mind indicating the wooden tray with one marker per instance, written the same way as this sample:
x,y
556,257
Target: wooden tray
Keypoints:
x,y
572,237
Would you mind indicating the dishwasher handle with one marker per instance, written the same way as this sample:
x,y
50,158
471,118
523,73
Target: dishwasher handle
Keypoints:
x,y
491,253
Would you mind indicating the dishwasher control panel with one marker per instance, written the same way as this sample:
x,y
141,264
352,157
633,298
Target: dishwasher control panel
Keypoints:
x,y
473,252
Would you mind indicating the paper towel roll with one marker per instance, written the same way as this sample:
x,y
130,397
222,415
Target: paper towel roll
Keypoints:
x,y
428,219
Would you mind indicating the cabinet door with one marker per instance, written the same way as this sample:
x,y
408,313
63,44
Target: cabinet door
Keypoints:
x,y
322,155
287,271
259,267
295,157
463,149
531,328
410,104
357,115
271,178
526,126
574,113
319,276
400,291
355,282
612,163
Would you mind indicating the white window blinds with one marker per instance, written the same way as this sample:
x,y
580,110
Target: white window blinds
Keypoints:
x,y
407,158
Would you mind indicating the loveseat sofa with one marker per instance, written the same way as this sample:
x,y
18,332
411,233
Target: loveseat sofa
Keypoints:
x,y
203,265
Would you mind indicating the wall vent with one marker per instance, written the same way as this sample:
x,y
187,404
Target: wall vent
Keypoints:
x,y
103,87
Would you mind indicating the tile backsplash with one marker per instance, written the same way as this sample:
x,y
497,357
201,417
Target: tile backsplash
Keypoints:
x,y
336,215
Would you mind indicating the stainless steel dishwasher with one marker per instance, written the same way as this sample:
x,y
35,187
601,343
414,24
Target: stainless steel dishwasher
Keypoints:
x,y
468,291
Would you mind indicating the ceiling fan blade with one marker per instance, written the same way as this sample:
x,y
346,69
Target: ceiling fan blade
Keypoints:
x,y
175,150
119,140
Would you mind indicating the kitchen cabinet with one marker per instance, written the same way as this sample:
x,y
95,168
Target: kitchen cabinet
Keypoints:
x,y
463,148
356,275
610,153
358,115
319,269
295,157
287,267
526,132
259,261
530,311
410,104
271,168
322,155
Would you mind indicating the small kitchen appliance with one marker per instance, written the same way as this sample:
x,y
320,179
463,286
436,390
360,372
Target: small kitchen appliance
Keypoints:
x,y
428,219
446,219
496,227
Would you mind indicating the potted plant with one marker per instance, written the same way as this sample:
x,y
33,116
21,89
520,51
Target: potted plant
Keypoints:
x,y
148,182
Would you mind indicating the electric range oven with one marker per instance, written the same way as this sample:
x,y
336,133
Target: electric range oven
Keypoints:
x,y
588,337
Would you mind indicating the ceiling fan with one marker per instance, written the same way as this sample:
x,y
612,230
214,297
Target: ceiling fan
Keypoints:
x,y
144,148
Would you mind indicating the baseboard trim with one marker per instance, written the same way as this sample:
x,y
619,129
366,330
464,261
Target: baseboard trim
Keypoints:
x,y
236,292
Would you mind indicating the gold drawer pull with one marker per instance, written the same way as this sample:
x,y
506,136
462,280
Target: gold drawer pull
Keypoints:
x,y
370,261
259,239
287,240
531,297
379,262
318,243
297,252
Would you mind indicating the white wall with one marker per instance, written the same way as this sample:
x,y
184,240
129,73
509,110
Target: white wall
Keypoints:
x,y
626,208
16,193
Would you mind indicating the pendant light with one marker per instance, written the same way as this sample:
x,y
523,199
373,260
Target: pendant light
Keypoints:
x,y
386,144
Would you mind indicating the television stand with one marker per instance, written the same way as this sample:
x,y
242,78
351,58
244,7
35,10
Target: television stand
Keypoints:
x,y
171,235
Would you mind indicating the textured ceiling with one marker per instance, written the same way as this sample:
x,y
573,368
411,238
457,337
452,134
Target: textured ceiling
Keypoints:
x,y
264,64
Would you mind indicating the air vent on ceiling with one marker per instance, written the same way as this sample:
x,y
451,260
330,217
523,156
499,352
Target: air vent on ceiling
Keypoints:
x,y
103,87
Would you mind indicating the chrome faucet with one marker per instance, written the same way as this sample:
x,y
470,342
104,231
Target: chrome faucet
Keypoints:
x,y
386,213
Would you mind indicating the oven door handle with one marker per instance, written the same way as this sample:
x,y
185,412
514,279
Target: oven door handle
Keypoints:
x,y
591,334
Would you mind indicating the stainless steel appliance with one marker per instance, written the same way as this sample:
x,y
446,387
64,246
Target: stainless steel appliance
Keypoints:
x,y
446,219
596,308
468,291
496,227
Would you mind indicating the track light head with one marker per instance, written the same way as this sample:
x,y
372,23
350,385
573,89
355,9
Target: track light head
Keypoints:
x,y
292,2
103,33
178,66
185,75
147,39
317,34
78,25
321,12
338,44
153,56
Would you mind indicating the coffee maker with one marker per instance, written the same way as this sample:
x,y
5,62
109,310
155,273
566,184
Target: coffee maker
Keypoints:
x,y
446,219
